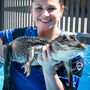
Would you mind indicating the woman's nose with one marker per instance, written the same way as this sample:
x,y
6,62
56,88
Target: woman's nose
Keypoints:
x,y
45,13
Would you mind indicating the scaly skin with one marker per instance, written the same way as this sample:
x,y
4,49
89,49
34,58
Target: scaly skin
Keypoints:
x,y
30,47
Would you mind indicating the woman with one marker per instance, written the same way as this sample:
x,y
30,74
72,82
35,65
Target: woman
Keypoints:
x,y
46,14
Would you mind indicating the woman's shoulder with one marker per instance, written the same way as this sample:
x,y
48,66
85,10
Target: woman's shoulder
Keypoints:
x,y
17,32
8,35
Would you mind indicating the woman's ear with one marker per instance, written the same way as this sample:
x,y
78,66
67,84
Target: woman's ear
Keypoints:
x,y
31,11
61,11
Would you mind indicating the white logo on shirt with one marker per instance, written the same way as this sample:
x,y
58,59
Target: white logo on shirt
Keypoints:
x,y
79,66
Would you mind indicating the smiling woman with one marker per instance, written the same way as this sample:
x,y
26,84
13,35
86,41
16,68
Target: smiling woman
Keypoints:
x,y
46,14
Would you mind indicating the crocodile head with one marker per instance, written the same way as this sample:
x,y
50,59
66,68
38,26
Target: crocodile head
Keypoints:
x,y
65,46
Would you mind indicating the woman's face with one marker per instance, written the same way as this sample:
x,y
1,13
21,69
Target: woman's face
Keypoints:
x,y
46,13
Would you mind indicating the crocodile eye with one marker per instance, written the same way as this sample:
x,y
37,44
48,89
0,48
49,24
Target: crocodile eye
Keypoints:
x,y
73,37
65,38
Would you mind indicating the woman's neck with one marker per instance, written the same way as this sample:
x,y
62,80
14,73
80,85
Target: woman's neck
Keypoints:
x,y
51,34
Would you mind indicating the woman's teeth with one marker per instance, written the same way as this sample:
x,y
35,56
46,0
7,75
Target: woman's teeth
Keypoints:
x,y
43,20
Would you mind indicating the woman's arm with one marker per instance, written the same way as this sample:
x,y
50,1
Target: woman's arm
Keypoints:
x,y
2,61
52,81
51,78
7,36
1,50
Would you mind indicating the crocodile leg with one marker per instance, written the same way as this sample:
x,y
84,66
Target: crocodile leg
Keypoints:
x,y
7,81
68,67
27,65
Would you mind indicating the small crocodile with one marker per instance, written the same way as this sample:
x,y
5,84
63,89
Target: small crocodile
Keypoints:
x,y
62,48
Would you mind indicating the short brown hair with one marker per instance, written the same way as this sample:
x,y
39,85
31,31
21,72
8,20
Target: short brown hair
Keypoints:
x,y
60,1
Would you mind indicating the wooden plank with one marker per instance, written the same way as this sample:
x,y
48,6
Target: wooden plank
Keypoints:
x,y
21,20
29,13
9,26
66,15
83,3
11,14
32,23
88,18
71,14
18,17
23,13
61,23
13,3
16,13
77,7
20,13
6,18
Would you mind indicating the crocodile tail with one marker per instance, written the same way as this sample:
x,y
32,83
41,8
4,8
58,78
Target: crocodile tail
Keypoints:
x,y
7,56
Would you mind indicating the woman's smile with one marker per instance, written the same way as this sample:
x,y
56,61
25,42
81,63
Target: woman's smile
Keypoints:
x,y
45,20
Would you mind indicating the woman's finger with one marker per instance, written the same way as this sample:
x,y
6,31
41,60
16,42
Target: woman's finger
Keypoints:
x,y
44,53
40,58
48,51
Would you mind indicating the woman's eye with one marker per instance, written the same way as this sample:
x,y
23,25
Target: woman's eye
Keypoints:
x,y
51,9
39,8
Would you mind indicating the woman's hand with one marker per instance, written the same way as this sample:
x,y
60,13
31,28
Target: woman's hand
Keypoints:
x,y
51,78
1,50
46,60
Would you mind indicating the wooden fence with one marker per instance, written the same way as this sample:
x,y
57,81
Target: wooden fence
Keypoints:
x,y
16,14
